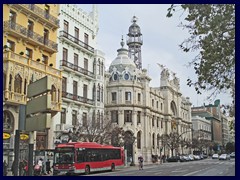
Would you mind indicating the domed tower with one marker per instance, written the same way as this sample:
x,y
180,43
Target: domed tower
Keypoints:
x,y
134,43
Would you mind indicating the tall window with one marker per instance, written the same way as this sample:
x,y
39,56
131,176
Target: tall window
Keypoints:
x,y
12,19
139,140
11,45
98,119
65,29
85,65
139,117
114,116
161,106
44,59
157,121
114,96
102,94
153,120
65,54
157,104
98,92
128,96
93,119
127,116
47,11
76,34
30,28
152,102
85,89
84,119
63,116
18,84
53,93
75,61
94,91
29,53
74,118
162,123
45,37
86,38
64,86
75,89
139,97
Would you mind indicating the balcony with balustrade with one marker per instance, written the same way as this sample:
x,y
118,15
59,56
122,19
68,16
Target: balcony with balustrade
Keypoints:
x,y
18,64
35,12
77,99
76,42
21,32
67,66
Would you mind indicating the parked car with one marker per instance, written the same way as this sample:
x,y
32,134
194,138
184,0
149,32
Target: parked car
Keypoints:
x,y
184,158
232,155
215,156
196,157
191,158
173,159
224,157
205,156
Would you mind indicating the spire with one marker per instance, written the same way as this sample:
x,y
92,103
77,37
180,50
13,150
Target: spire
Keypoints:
x,y
122,43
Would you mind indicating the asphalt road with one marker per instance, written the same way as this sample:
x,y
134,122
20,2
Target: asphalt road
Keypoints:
x,y
206,167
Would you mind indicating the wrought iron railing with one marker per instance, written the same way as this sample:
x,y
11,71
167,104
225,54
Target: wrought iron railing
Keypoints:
x,y
77,98
76,41
29,34
77,68
37,10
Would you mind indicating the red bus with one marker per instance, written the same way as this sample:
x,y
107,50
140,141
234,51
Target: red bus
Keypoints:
x,y
85,157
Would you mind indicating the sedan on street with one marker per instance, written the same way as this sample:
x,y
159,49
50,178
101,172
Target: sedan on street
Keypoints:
x,y
224,157
215,156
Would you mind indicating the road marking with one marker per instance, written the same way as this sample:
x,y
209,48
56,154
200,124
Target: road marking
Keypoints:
x,y
160,172
192,172
179,170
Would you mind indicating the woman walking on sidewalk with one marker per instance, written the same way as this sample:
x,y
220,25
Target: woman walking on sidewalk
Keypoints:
x,y
140,161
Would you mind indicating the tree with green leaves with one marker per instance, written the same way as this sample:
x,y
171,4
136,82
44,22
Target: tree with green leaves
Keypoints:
x,y
212,34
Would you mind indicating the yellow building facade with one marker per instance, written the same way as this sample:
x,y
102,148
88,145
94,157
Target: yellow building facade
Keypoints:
x,y
29,54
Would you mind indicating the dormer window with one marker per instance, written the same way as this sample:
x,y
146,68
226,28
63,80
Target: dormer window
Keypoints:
x,y
126,76
115,76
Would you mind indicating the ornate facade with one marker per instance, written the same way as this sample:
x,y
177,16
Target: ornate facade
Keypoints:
x,y
143,111
82,68
29,54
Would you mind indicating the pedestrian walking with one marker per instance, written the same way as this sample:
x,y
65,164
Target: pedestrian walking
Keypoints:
x,y
140,161
48,166
5,166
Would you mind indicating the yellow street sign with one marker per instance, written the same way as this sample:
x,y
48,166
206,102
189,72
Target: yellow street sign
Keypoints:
x,y
24,136
6,136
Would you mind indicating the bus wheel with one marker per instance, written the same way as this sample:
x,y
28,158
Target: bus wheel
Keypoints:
x,y
87,170
113,167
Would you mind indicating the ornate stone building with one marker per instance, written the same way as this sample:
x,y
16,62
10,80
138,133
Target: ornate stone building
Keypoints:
x,y
29,54
143,111
82,68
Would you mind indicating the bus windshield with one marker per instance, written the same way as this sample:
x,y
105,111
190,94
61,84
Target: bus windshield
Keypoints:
x,y
64,155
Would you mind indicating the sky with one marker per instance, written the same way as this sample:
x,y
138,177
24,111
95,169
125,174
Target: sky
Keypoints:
x,y
161,39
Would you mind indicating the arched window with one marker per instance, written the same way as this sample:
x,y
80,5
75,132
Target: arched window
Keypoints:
x,y
98,92
18,84
10,83
139,140
102,94
173,108
94,91
8,121
53,93
25,86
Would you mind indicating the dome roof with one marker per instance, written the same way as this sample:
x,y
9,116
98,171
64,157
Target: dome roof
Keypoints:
x,y
134,29
122,61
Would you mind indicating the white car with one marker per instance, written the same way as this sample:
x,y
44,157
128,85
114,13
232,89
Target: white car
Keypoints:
x,y
224,157
215,156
